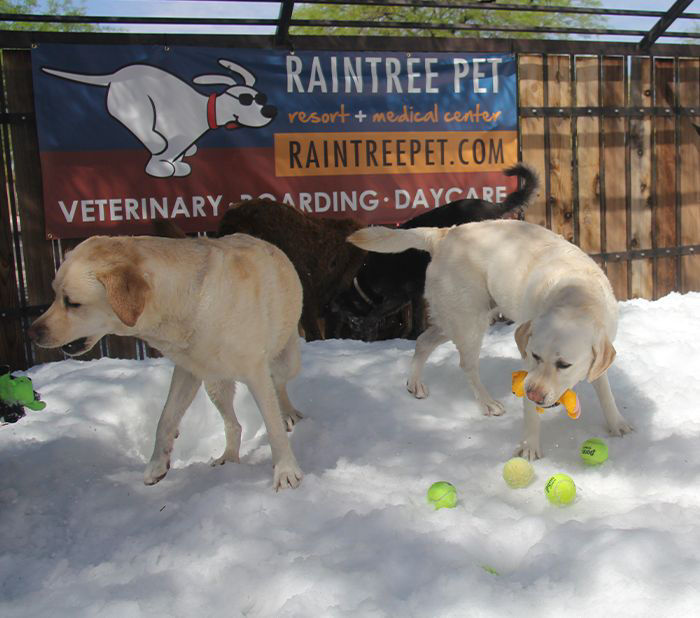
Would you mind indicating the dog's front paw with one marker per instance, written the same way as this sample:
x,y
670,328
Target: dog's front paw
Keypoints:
x,y
287,474
156,471
417,389
620,428
492,407
528,451
291,418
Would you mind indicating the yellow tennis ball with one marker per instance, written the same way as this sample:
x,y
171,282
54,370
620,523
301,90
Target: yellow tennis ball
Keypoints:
x,y
518,472
594,451
560,489
442,495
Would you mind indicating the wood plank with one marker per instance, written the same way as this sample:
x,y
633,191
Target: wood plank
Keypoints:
x,y
560,148
38,252
641,275
588,154
12,349
689,97
531,94
664,220
615,169
122,347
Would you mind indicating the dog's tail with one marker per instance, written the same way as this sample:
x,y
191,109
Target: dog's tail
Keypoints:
x,y
93,80
522,196
394,240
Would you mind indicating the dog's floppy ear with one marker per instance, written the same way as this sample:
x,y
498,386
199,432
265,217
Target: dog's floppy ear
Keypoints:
x,y
603,356
522,336
126,292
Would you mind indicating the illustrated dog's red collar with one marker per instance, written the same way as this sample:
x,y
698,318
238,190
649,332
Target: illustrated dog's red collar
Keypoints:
x,y
211,114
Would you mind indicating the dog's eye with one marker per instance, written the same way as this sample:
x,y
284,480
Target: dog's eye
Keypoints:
x,y
70,304
537,358
246,98
260,98
562,365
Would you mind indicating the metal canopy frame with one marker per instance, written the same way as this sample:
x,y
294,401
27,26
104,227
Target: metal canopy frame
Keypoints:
x,y
664,23
286,20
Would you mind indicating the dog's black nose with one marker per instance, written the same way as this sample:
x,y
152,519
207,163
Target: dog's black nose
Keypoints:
x,y
269,111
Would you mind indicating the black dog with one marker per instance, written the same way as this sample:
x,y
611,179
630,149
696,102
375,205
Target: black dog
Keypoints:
x,y
388,282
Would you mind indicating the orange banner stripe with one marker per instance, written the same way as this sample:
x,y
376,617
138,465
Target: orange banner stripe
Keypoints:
x,y
332,154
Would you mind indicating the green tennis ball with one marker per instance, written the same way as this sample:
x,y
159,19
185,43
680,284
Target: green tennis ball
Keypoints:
x,y
442,495
594,451
560,489
518,472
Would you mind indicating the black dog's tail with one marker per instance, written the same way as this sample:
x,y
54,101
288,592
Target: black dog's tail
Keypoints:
x,y
522,196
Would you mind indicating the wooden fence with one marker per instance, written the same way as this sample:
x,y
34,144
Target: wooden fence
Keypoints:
x,y
615,139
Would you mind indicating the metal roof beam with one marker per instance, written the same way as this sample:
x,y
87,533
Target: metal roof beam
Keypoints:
x,y
663,24
285,17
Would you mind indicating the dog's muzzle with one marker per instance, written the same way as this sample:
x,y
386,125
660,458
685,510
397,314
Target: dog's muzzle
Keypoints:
x,y
268,111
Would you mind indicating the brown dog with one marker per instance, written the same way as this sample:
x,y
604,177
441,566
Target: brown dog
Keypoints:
x,y
223,310
325,263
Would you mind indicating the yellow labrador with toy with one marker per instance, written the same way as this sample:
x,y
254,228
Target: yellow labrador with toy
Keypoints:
x,y
562,301
223,310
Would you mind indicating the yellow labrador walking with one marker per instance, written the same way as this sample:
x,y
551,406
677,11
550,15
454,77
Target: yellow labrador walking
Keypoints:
x,y
562,301
223,310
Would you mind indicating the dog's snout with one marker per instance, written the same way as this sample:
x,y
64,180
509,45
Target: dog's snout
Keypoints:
x,y
269,111
36,332
535,395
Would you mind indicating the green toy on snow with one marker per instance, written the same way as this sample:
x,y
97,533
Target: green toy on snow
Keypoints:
x,y
16,393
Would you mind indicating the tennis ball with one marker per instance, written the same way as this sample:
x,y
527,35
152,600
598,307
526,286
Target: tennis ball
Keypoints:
x,y
442,495
594,451
560,489
518,472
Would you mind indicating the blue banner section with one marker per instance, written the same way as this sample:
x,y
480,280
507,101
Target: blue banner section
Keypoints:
x,y
308,89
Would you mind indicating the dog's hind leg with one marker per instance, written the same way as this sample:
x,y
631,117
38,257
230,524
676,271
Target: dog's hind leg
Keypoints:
x,y
183,388
418,316
286,469
617,425
283,369
137,113
169,162
221,393
426,343
461,306
468,341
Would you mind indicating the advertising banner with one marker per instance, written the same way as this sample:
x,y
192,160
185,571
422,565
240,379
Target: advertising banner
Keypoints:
x,y
129,134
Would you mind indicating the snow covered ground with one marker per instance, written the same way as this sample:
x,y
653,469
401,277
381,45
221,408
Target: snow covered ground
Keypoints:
x,y
80,535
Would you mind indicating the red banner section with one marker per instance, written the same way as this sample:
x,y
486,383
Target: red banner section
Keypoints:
x,y
132,203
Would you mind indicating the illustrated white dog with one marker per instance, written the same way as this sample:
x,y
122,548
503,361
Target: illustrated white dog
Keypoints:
x,y
562,301
223,310
168,115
